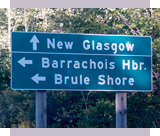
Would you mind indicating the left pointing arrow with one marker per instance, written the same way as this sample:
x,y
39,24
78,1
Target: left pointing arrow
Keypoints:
x,y
23,62
36,78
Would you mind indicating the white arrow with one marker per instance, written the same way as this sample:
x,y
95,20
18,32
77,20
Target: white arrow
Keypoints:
x,y
36,78
23,62
34,40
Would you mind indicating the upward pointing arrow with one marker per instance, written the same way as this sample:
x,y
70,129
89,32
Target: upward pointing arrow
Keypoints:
x,y
34,40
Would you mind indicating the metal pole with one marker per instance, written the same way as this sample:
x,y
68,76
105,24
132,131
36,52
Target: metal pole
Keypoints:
x,y
41,109
121,110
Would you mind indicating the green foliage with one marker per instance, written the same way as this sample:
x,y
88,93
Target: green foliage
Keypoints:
x,y
76,109
143,110
67,109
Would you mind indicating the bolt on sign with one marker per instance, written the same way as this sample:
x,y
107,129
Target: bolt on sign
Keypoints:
x,y
62,61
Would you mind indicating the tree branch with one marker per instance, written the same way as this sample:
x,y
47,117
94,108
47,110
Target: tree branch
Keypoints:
x,y
132,30
85,102
147,13
139,31
124,21
151,12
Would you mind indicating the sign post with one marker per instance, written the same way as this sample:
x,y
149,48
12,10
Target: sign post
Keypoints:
x,y
82,62
121,110
41,109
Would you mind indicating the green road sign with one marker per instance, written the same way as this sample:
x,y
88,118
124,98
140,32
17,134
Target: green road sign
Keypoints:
x,y
51,61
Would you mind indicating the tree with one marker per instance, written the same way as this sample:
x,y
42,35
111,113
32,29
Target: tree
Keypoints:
x,y
76,108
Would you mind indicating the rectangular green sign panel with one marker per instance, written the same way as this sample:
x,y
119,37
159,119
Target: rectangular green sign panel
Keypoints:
x,y
56,61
